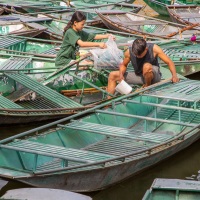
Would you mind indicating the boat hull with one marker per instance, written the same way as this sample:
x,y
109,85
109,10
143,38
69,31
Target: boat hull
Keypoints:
x,y
97,179
157,6
180,18
17,119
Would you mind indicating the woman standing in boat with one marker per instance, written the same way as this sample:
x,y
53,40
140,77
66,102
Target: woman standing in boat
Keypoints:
x,y
144,58
74,38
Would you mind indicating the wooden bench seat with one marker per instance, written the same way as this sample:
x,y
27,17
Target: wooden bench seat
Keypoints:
x,y
65,153
6,103
118,131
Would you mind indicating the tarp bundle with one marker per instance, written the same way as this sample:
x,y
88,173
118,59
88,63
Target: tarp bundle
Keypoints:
x,y
109,58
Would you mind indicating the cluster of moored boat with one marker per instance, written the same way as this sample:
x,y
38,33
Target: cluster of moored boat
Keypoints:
x,y
93,138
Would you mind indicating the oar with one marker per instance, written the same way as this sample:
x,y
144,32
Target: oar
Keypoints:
x,y
183,29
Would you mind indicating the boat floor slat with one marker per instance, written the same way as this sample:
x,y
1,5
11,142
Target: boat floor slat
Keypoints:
x,y
183,92
112,146
118,131
61,151
6,103
7,41
15,63
50,51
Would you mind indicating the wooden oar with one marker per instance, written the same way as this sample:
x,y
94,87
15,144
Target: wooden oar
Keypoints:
x,y
183,29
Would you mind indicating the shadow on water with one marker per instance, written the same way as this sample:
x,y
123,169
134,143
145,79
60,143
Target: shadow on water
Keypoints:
x,y
12,185
195,76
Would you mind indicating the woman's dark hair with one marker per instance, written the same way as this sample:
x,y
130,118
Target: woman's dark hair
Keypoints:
x,y
78,17
138,46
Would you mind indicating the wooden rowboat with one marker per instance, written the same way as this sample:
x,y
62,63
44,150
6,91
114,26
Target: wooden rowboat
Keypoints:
x,y
26,81
184,14
173,189
145,26
160,6
107,145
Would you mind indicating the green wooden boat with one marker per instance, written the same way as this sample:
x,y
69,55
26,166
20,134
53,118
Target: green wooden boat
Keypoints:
x,y
161,5
106,145
173,189
184,14
20,28
29,6
28,97
11,44
23,18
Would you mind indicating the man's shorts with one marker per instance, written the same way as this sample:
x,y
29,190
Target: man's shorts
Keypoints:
x,y
132,78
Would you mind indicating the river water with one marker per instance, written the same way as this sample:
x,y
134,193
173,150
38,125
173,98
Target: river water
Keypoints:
x,y
184,164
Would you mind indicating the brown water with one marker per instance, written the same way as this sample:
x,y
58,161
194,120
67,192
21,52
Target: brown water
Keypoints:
x,y
184,164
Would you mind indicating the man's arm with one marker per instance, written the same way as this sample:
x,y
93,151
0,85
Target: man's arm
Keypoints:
x,y
124,64
159,52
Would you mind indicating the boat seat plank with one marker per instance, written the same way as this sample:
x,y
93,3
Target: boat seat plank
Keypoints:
x,y
34,19
175,184
44,91
50,51
36,26
18,94
118,146
118,132
61,152
15,63
6,103
6,42
183,92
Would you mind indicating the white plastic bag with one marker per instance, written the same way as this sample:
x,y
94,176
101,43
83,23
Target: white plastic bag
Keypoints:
x,y
109,58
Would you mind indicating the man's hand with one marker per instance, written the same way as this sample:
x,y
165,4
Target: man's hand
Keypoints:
x,y
121,76
175,79
112,36
102,45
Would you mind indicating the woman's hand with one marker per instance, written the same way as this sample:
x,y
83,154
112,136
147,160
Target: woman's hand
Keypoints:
x,y
102,45
112,36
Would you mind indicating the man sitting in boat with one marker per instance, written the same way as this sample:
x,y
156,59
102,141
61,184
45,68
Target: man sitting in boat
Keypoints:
x,y
144,58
